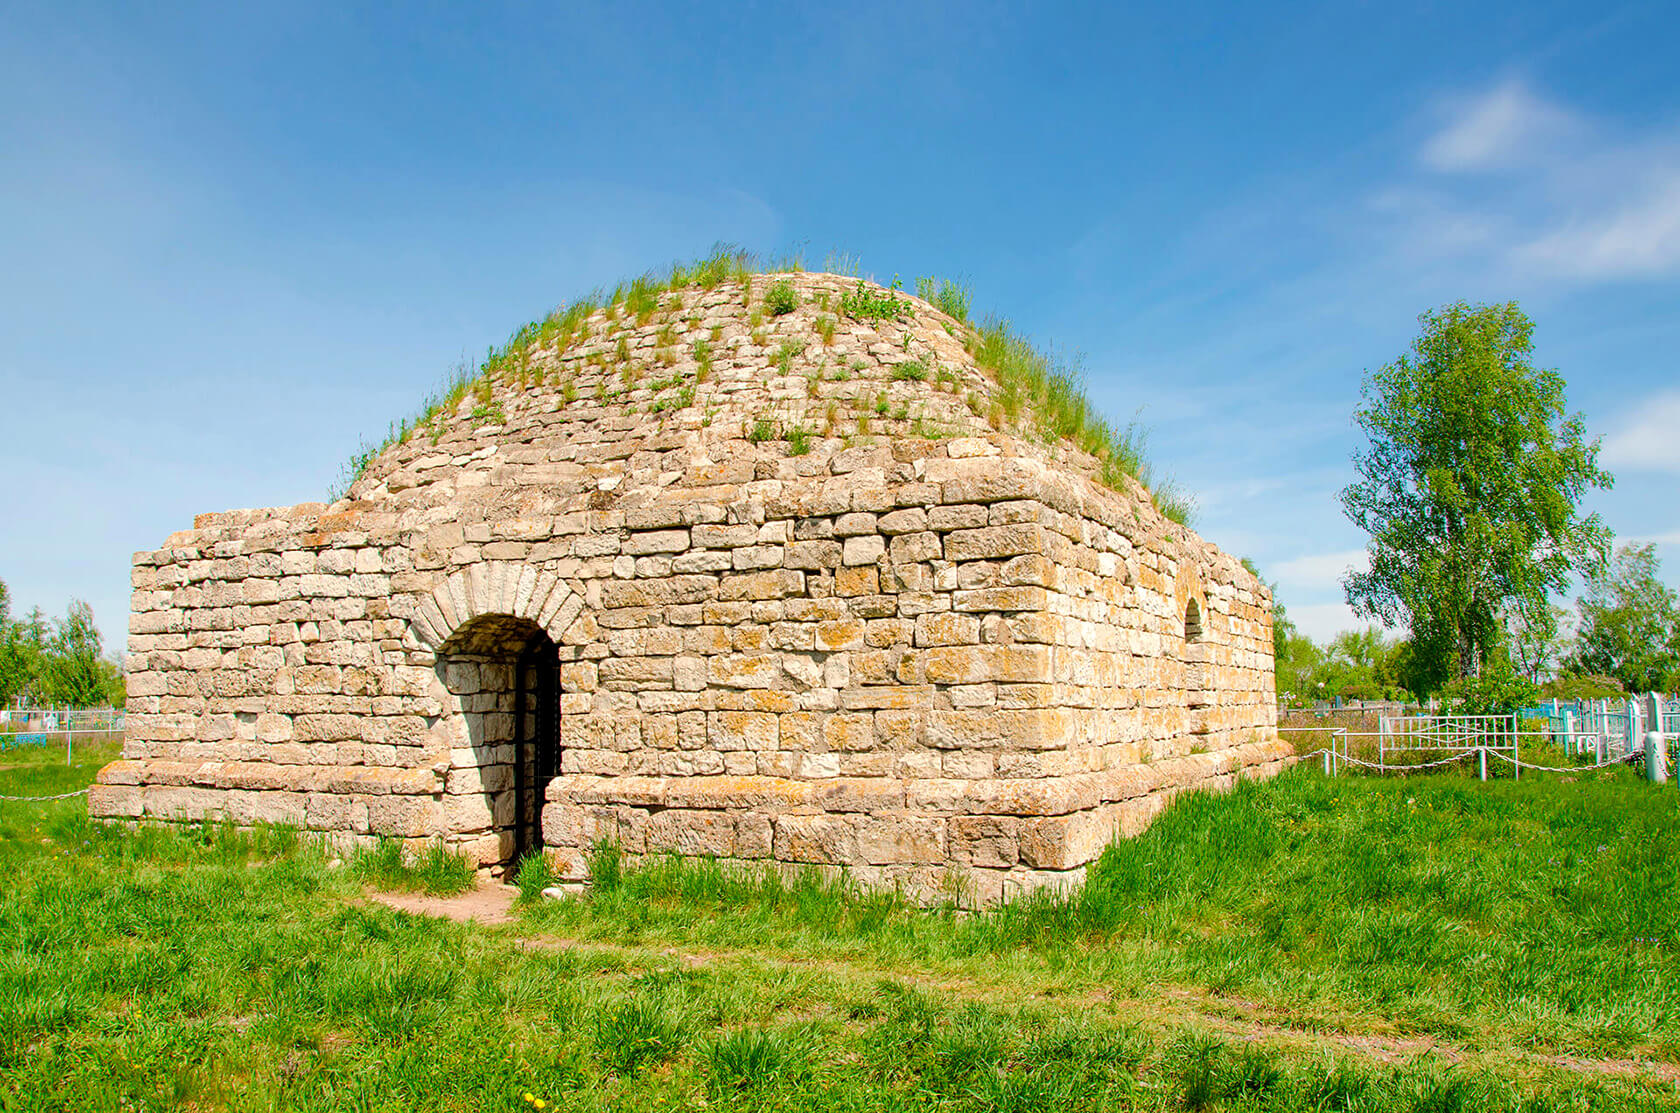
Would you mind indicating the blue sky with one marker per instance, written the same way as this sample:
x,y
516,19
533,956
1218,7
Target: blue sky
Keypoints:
x,y
236,241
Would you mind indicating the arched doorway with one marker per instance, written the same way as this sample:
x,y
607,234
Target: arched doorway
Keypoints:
x,y
504,675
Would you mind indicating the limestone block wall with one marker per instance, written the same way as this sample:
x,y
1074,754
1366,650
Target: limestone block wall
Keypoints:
x,y
954,689
950,663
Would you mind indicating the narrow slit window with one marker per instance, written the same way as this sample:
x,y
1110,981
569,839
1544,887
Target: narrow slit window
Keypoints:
x,y
1192,622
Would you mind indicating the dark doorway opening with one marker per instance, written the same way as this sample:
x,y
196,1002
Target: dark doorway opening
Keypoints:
x,y
505,674
536,740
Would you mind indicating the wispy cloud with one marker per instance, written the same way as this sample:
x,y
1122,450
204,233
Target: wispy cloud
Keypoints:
x,y
1505,127
1634,238
1592,202
1323,621
1320,571
1648,438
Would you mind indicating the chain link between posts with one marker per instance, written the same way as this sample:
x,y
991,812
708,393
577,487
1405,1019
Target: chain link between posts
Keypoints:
x,y
1339,756
1631,755
39,799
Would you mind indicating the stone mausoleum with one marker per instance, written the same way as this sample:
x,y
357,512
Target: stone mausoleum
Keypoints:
x,y
778,583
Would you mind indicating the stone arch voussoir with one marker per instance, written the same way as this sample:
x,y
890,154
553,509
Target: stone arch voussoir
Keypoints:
x,y
496,587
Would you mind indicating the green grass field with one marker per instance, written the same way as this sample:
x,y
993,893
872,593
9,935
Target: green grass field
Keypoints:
x,y
1431,944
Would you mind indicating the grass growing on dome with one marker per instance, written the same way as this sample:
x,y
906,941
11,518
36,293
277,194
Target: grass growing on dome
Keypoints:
x,y
1036,392
1031,379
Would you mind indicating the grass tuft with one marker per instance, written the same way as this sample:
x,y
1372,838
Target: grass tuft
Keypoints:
x,y
639,1032
606,866
781,298
533,876
753,1061
865,304
1029,377
786,353
951,298
386,864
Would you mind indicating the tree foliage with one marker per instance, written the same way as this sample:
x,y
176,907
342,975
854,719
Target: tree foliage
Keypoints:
x,y
1469,489
1630,624
1535,647
76,672
1578,686
1354,665
55,662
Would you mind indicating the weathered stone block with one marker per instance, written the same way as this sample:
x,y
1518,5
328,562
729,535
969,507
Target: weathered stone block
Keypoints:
x,y
754,670
854,525
911,519
866,549
834,637
913,548
993,542
743,730
860,580
755,557
896,839
973,664
813,555
988,841
815,839
656,541
405,816
695,833
115,801
1000,599
1064,841
947,630
776,584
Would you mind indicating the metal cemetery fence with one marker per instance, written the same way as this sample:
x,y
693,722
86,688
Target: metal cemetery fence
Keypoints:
x,y
1415,743
1584,735
1604,727
46,726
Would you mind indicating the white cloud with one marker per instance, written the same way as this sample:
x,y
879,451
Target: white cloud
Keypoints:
x,y
1649,438
1435,222
1594,202
1320,571
1504,127
1323,621
1638,237
1240,491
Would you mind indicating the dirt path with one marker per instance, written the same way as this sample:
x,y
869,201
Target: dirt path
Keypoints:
x,y
490,902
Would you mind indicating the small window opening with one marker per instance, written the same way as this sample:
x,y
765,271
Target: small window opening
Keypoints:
x,y
1192,622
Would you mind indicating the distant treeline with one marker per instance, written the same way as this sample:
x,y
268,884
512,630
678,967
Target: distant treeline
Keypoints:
x,y
1624,636
55,661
